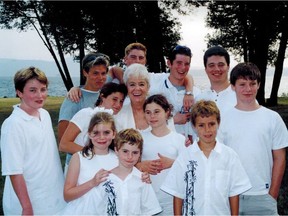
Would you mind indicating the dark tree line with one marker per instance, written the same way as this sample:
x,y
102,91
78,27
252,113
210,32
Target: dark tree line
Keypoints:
x,y
255,31
76,27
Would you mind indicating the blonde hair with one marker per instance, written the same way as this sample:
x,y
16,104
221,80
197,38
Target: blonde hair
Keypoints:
x,y
129,136
137,46
204,108
98,118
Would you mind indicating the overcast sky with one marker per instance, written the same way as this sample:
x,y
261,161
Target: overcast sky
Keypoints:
x,y
27,45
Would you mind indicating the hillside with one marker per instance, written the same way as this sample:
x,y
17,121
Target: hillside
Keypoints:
x,y
8,67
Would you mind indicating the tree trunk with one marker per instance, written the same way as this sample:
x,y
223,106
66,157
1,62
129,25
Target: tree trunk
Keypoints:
x,y
279,65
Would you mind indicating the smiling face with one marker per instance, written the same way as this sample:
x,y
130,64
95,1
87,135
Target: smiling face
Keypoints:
x,y
137,89
113,101
179,68
155,115
206,128
101,136
33,96
128,155
217,69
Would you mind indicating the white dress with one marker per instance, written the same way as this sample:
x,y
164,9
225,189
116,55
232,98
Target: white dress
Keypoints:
x,y
87,203
169,146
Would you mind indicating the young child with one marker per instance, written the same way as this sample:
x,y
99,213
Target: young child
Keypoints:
x,y
30,158
161,147
111,96
127,194
206,178
88,169
259,136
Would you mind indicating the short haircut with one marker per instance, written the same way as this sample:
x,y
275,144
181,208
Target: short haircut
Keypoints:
x,y
129,136
245,70
136,70
179,49
161,101
98,118
110,88
22,76
137,46
216,51
204,108
93,59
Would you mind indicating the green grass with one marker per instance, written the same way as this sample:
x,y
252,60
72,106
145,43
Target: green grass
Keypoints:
x,y
53,105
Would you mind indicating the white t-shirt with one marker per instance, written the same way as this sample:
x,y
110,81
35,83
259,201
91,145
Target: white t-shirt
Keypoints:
x,y
224,100
169,146
205,184
28,147
253,135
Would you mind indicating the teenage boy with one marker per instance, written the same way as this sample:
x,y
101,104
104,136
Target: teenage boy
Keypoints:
x,y
95,68
206,178
217,62
260,137
173,88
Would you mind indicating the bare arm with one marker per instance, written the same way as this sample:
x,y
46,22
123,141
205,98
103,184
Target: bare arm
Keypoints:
x,y
116,72
62,125
177,205
278,169
20,188
67,143
188,100
73,191
234,205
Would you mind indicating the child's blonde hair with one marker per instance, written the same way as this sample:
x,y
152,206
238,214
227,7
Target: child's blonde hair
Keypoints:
x,y
129,136
204,108
98,118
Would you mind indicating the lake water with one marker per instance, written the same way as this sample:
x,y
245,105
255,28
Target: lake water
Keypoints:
x,y
57,88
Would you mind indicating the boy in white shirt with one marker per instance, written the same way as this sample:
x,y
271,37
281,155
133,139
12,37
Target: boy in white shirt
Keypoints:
x,y
260,137
207,177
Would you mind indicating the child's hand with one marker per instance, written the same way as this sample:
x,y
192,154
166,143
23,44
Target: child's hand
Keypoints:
x,y
74,94
165,161
153,167
100,177
145,177
188,101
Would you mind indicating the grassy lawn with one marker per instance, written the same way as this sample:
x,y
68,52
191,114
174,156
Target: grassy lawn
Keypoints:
x,y
53,105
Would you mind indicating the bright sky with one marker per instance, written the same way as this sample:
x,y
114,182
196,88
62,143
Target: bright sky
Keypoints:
x,y
28,45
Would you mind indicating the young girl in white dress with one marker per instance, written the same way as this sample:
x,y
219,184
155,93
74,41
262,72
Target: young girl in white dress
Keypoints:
x,y
89,168
161,147
84,188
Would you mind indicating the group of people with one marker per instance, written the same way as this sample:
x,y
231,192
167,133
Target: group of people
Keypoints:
x,y
143,143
